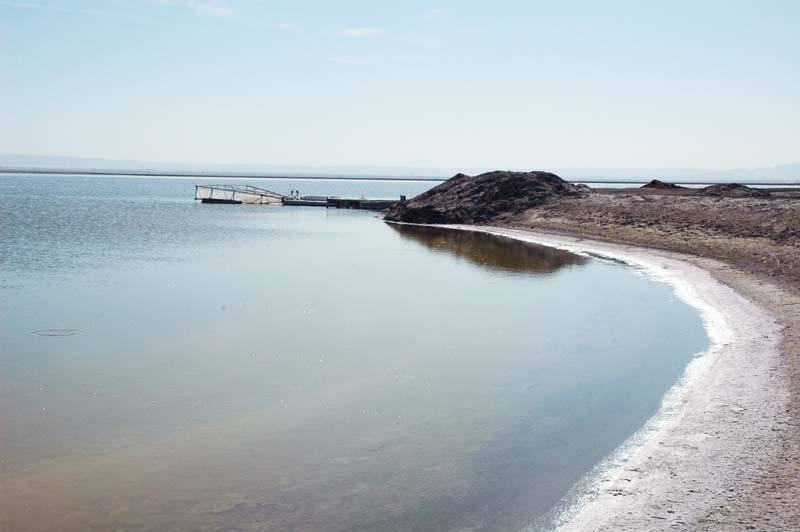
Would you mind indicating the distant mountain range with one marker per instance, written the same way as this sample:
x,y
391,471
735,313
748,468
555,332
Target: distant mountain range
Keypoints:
x,y
8,161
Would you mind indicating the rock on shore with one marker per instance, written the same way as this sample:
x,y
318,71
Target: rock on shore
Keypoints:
x,y
662,185
488,197
733,190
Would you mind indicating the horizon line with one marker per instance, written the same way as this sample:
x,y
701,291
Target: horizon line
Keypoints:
x,y
332,177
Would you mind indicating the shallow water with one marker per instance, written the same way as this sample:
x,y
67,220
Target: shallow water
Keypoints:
x,y
260,367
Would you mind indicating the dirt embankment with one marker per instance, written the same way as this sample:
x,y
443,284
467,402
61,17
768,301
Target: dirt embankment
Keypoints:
x,y
752,229
758,234
661,185
490,197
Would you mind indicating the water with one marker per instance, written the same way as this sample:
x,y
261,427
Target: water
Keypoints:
x,y
260,367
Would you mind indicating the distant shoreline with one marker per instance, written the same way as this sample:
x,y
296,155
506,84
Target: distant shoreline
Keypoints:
x,y
216,175
426,179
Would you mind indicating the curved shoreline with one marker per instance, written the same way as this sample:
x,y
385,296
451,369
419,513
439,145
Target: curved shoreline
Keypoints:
x,y
716,428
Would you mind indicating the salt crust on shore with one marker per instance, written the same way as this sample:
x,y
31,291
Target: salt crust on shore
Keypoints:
x,y
716,426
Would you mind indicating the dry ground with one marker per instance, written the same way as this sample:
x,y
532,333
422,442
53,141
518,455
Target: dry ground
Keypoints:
x,y
758,235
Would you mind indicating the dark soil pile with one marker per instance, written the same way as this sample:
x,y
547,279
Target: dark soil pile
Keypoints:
x,y
733,190
488,197
662,185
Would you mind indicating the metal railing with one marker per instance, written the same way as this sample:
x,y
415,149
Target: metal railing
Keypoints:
x,y
242,193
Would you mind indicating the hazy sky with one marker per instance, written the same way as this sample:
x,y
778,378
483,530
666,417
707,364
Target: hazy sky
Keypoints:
x,y
521,84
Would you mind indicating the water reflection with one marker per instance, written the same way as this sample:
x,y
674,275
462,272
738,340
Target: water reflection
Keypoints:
x,y
490,251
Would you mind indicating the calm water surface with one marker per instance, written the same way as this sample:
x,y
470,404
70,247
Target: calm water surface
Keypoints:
x,y
274,368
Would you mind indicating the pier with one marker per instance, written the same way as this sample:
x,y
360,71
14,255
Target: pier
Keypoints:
x,y
363,203
236,194
246,194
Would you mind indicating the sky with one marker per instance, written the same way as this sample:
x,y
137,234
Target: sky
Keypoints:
x,y
500,84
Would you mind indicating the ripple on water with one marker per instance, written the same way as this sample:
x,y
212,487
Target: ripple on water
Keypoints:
x,y
56,332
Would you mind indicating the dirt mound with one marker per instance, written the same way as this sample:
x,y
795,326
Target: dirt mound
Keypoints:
x,y
733,190
483,198
662,185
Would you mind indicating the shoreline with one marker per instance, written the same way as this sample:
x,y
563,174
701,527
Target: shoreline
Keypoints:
x,y
698,463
